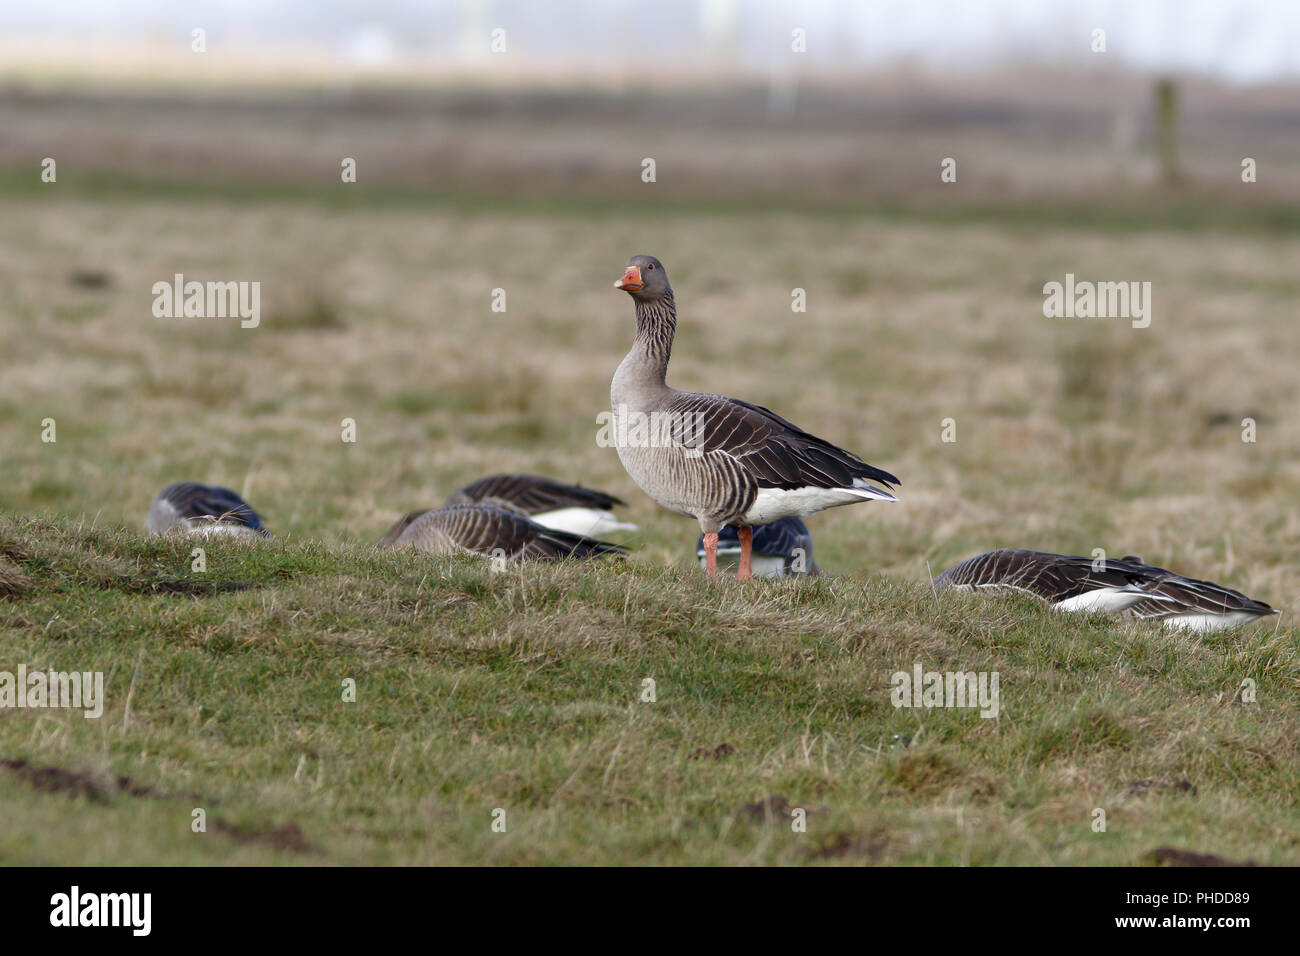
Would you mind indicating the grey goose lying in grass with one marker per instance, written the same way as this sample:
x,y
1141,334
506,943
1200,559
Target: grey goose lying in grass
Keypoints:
x,y
490,530
1193,605
780,548
1127,585
720,460
1066,583
570,508
192,508
561,507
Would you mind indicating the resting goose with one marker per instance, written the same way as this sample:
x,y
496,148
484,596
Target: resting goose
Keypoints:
x,y
1194,605
192,508
570,508
719,460
552,504
780,548
487,529
1066,583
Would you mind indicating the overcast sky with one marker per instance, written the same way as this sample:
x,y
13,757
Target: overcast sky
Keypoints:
x,y
1239,40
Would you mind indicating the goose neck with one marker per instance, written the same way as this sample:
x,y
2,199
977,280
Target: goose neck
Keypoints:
x,y
656,323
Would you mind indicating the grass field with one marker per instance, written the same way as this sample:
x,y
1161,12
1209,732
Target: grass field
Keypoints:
x,y
523,691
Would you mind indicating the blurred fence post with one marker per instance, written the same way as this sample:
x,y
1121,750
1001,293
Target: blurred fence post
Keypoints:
x,y
1124,127
1167,129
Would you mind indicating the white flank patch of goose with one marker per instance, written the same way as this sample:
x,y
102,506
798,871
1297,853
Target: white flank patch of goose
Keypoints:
x,y
192,508
1072,584
1193,605
723,461
780,548
490,530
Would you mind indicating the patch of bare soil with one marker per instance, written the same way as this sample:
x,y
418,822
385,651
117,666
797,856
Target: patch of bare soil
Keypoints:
x,y
99,789
716,753
1172,856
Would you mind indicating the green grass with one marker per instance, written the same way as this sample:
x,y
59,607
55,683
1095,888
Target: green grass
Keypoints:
x,y
522,691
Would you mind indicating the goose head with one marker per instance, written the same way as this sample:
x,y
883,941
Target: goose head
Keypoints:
x,y
644,278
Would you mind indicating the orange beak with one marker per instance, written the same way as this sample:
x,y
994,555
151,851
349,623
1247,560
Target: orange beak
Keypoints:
x,y
631,281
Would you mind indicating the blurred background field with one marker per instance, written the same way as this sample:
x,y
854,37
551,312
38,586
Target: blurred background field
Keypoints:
x,y
775,171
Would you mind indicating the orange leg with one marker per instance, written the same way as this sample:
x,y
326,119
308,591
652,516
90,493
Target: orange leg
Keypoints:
x,y
711,554
746,541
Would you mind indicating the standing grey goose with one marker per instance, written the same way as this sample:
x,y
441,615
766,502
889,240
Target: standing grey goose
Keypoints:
x,y
571,508
490,530
781,548
720,460
192,508
1194,605
1066,583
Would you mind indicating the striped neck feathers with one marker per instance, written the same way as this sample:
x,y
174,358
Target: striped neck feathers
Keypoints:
x,y
656,323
